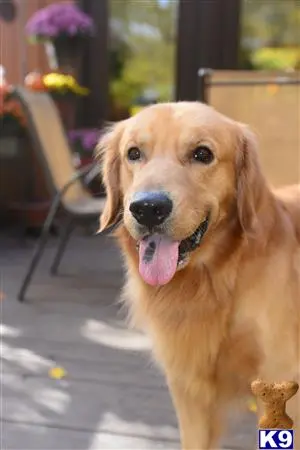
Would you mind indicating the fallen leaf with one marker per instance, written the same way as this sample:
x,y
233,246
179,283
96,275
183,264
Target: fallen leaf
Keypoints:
x,y
252,405
57,373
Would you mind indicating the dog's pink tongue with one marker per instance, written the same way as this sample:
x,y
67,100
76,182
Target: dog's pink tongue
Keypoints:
x,y
158,259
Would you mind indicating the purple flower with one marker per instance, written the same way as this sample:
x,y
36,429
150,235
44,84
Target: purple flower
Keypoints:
x,y
84,139
90,139
59,19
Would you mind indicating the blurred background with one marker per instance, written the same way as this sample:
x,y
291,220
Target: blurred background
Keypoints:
x,y
73,376
132,53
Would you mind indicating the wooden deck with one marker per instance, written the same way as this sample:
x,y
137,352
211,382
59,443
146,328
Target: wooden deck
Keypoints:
x,y
112,396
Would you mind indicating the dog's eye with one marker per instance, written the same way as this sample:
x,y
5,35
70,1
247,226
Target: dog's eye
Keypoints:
x,y
203,154
134,154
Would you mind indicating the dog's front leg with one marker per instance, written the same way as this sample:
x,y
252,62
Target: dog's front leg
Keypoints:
x,y
198,415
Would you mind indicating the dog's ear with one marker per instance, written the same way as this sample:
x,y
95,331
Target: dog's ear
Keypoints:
x,y
107,152
250,182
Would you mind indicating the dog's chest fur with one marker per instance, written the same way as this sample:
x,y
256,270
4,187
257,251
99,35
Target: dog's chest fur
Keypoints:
x,y
192,332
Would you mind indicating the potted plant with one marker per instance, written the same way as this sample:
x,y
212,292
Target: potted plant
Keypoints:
x,y
11,118
62,84
64,90
12,154
63,27
23,192
83,143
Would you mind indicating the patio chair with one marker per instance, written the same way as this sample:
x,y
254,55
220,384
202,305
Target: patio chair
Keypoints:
x,y
65,183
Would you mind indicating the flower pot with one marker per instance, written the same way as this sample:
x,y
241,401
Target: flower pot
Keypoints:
x,y
26,196
13,176
65,54
67,108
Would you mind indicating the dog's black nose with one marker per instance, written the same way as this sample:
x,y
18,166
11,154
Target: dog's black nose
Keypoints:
x,y
151,208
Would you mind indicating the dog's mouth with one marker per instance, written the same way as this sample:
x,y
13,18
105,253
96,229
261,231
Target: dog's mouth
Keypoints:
x,y
160,256
193,241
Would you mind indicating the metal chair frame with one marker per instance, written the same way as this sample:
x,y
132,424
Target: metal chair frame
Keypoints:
x,y
68,186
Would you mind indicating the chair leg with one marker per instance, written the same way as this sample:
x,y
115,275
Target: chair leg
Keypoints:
x,y
38,250
66,234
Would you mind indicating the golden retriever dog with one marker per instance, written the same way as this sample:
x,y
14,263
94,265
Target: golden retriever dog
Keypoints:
x,y
212,257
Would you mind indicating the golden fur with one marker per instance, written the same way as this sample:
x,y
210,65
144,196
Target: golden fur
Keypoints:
x,y
232,314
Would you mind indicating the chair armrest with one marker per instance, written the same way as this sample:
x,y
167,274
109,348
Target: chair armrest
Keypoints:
x,y
87,173
81,173
93,172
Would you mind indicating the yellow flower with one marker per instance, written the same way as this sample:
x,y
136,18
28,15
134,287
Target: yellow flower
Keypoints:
x,y
60,82
57,373
252,405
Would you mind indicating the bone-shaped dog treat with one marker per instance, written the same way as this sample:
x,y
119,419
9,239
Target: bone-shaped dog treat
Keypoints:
x,y
274,396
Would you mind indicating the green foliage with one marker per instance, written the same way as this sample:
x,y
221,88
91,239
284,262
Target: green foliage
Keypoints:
x,y
271,23
276,58
148,29
270,32
140,72
145,55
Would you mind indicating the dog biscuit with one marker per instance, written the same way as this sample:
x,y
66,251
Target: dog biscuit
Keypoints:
x,y
274,397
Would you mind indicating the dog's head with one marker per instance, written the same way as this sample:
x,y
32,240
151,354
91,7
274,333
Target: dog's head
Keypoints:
x,y
175,173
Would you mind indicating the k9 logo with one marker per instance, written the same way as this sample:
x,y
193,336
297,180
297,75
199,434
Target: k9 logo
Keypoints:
x,y
269,439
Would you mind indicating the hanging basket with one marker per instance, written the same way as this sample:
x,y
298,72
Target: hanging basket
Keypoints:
x,y
65,54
